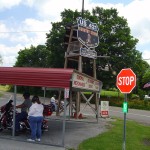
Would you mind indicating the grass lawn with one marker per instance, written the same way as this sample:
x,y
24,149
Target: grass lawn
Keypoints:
x,y
112,93
4,88
109,93
137,138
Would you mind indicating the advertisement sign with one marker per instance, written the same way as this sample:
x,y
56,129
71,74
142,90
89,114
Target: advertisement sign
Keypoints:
x,y
87,33
84,82
104,108
88,53
66,93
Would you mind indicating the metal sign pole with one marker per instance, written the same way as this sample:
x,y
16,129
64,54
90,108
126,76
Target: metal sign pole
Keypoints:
x,y
99,96
82,8
14,111
124,130
66,95
64,124
44,94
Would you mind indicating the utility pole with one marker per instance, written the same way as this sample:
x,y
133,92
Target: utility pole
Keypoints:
x,y
82,8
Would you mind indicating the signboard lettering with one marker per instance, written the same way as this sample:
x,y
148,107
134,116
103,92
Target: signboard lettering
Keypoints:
x,y
84,82
104,108
88,53
87,33
66,93
126,80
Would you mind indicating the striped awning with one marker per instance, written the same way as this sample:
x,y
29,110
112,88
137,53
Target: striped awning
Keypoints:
x,y
59,78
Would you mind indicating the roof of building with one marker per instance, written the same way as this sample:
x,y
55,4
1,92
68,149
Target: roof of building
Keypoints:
x,y
42,77
56,78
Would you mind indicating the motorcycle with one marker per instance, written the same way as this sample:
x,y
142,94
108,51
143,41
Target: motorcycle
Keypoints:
x,y
6,118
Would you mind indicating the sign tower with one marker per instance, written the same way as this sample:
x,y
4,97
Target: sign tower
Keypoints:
x,y
80,42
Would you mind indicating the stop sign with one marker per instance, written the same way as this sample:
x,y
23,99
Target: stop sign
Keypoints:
x,y
126,80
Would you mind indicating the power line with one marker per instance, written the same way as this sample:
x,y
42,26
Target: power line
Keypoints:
x,y
147,59
22,31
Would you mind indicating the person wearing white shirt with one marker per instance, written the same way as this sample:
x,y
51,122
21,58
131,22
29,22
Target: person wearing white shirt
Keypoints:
x,y
35,119
53,103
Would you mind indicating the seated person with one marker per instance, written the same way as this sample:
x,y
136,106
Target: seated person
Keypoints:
x,y
24,111
53,103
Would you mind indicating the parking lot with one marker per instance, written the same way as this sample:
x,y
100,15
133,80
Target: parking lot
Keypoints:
x,y
76,130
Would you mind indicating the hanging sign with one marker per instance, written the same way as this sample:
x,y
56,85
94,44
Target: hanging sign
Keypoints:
x,y
81,81
66,93
87,33
88,53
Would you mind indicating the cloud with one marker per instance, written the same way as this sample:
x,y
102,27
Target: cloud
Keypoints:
x,y
4,30
142,31
138,19
8,61
8,3
9,54
146,56
49,11
39,28
31,31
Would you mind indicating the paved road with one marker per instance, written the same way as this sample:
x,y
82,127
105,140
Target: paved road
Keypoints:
x,y
141,116
8,144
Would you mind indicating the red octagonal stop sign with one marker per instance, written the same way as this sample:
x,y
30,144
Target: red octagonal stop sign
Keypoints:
x,y
126,80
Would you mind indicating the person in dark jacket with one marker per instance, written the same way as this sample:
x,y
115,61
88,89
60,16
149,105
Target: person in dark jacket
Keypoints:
x,y
24,111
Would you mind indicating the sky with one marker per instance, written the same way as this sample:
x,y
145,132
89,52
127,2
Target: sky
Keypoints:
x,y
25,22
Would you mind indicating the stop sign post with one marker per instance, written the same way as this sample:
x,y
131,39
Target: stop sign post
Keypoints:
x,y
126,81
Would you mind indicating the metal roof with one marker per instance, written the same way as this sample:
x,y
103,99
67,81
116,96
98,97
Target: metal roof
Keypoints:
x,y
42,77
54,78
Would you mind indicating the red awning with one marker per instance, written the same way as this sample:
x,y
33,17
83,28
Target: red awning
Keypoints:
x,y
56,78
42,77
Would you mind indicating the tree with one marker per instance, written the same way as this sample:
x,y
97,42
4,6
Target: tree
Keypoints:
x,y
55,45
33,57
115,41
115,37
146,77
55,39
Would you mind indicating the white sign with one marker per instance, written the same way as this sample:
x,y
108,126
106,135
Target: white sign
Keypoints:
x,y
125,80
84,82
88,53
104,108
66,93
